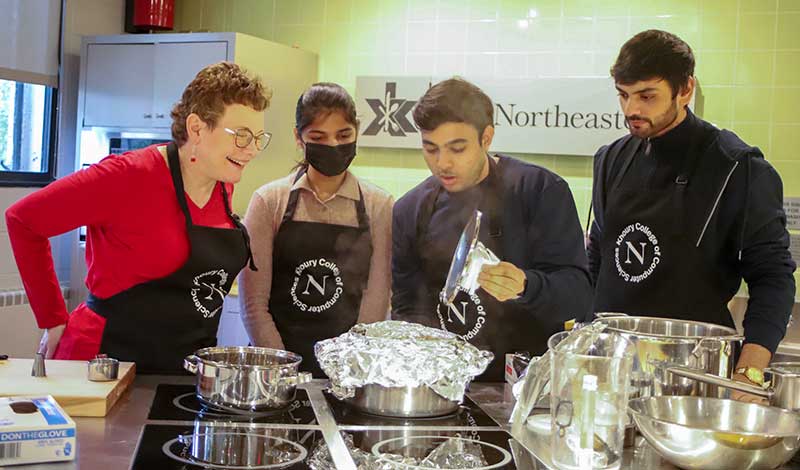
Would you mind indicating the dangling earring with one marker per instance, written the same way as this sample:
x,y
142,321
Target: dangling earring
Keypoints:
x,y
194,151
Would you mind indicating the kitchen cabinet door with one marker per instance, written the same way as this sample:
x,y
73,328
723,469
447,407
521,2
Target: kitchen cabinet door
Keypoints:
x,y
176,64
119,85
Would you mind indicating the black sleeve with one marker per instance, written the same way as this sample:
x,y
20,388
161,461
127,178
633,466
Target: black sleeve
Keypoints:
x,y
558,279
408,283
766,264
596,228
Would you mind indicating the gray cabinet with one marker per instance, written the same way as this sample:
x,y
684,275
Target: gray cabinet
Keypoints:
x,y
176,65
119,90
136,85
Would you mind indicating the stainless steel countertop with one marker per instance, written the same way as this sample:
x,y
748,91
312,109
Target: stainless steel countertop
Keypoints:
x,y
111,442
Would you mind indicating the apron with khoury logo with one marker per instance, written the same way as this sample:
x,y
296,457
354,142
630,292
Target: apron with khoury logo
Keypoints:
x,y
650,263
500,327
319,273
157,323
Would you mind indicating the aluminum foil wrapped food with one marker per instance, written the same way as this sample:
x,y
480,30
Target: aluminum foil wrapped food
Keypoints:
x,y
400,354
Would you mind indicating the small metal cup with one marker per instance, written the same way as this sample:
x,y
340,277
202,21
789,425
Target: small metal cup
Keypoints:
x,y
103,369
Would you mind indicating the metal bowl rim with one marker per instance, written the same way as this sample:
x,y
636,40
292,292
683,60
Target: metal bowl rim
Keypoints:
x,y
734,335
636,413
775,368
295,358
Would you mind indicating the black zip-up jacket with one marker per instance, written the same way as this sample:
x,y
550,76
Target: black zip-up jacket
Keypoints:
x,y
735,215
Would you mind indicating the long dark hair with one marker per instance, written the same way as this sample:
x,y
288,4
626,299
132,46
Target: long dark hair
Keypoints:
x,y
322,99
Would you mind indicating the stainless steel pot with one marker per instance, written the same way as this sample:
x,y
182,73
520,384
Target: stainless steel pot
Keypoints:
x,y
402,402
246,378
698,345
783,391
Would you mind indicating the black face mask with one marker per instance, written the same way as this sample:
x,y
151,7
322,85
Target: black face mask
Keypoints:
x,y
330,160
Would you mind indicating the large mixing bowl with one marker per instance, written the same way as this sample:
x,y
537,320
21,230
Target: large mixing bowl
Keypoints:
x,y
717,434
246,378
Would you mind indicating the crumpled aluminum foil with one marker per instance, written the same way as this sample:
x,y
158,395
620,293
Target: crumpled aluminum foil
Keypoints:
x,y
320,458
450,454
399,354
455,453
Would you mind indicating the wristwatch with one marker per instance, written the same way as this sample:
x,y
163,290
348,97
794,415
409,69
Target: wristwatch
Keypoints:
x,y
753,374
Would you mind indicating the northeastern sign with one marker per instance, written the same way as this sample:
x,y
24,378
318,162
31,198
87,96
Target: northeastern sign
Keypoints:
x,y
559,116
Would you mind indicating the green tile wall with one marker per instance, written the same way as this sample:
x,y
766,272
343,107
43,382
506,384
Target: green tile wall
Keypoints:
x,y
748,57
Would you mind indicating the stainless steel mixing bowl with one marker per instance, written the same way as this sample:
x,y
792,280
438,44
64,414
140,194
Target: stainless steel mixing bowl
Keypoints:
x,y
714,433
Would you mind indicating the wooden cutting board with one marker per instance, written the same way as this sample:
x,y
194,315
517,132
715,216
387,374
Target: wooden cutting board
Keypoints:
x,y
66,381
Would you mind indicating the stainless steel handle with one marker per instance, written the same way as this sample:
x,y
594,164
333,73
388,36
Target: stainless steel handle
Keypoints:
x,y
159,116
700,376
147,115
298,379
703,345
601,315
190,363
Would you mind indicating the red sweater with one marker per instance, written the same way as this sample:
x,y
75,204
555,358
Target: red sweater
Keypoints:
x,y
136,232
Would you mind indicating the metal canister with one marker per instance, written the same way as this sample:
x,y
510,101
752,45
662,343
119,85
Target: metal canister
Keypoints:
x,y
102,369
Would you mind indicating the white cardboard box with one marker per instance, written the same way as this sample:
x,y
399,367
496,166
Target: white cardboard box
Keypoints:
x,y
33,430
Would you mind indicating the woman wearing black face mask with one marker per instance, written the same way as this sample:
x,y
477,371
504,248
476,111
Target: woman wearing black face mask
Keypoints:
x,y
320,237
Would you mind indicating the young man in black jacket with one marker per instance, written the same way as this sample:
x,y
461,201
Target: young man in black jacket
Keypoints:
x,y
684,211
529,221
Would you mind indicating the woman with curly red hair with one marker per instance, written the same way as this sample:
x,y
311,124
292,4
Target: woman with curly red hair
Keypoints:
x,y
162,245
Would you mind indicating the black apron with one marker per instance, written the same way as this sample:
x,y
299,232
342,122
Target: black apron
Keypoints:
x,y
650,264
319,273
501,327
157,323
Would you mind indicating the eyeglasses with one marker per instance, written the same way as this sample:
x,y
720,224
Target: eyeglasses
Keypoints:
x,y
243,136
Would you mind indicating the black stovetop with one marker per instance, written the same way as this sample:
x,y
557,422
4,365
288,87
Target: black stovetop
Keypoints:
x,y
180,403
361,431
157,440
494,445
